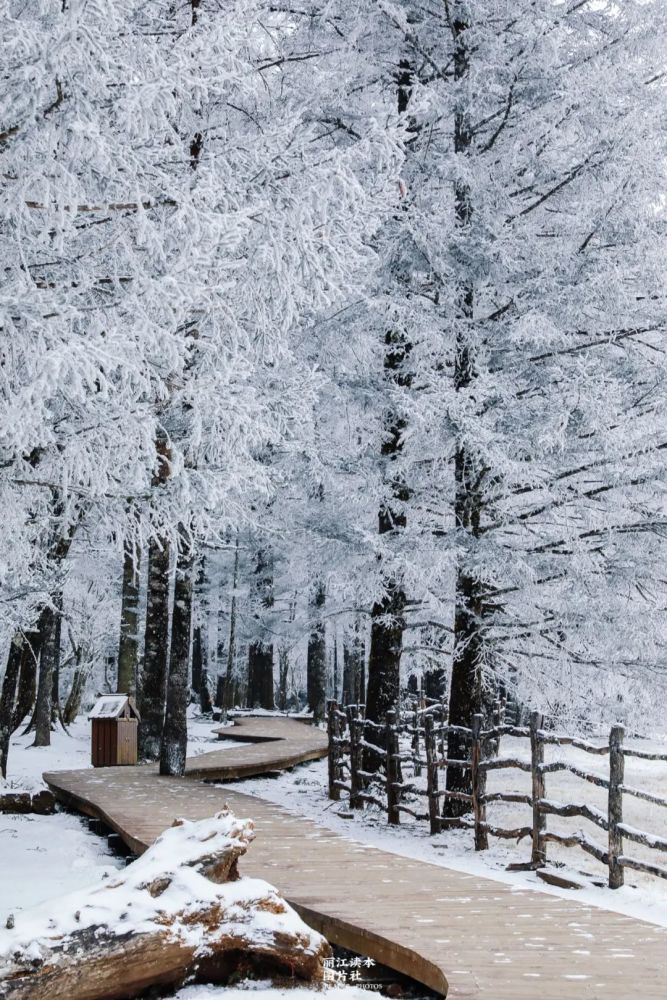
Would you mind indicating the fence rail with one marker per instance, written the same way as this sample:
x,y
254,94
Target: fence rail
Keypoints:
x,y
368,761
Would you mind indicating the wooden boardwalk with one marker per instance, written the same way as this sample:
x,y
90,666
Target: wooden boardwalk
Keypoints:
x,y
459,934
268,744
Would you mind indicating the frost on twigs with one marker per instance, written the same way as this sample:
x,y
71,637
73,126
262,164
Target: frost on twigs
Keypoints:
x,y
180,911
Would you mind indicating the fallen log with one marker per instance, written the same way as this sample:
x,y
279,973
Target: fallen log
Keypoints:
x,y
180,912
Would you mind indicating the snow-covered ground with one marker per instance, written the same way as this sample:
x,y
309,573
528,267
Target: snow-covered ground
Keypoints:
x,y
303,791
42,857
261,990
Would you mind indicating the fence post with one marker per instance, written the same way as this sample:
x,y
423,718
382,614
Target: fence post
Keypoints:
x,y
478,784
355,748
432,774
333,733
539,852
391,735
615,812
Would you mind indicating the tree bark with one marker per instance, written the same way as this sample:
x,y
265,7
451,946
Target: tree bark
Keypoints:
x,y
56,711
49,658
174,741
27,686
387,625
283,675
230,674
316,666
260,651
354,655
8,697
200,648
128,649
465,699
75,696
156,652
387,621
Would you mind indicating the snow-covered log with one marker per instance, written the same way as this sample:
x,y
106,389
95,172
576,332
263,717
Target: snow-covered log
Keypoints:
x,y
179,912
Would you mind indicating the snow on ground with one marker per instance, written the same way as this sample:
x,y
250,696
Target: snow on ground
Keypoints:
x,y
44,857
304,791
262,990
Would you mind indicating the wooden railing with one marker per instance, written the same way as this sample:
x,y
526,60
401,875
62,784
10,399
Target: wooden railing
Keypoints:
x,y
396,782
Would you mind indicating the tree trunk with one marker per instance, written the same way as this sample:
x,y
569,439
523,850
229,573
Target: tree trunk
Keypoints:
x,y
48,661
174,740
230,686
27,686
260,675
316,667
354,655
56,711
156,652
200,648
465,698
75,696
387,625
8,697
260,652
128,649
283,675
387,622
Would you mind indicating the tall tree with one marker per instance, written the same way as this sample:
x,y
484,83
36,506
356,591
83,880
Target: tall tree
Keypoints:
x,y
260,649
128,649
174,734
316,665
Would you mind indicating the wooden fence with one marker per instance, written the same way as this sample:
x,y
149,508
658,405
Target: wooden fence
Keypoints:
x,y
408,746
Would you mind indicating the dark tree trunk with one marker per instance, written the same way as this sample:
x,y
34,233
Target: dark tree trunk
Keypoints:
x,y
8,697
200,648
354,656
27,686
174,742
219,701
75,696
465,698
283,675
56,711
260,652
128,648
50,651
434,684
260,675
387,625
387,621
316,667
156,652
231,692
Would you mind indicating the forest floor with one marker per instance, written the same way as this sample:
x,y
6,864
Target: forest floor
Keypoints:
x,y
42,857
303,791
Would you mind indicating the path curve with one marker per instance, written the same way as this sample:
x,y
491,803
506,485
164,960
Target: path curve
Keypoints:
x,y
461,935
269,743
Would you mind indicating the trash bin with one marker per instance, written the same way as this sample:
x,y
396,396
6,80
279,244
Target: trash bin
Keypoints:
x,y
114,732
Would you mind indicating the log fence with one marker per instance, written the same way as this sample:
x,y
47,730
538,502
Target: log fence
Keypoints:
x,y
396,767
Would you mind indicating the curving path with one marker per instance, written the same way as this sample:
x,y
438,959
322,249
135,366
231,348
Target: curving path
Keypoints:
x,y
461,935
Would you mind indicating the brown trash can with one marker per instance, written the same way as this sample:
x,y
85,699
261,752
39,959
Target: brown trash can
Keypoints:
x,y
115,721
